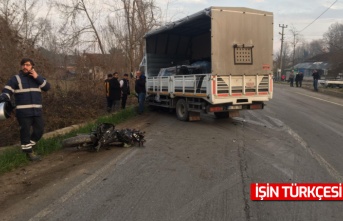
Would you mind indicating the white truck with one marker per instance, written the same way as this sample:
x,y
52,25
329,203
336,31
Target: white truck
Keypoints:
x,y
229,51
331,83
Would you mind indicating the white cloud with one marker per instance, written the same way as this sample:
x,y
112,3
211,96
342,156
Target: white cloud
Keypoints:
x,y
336,6
193,1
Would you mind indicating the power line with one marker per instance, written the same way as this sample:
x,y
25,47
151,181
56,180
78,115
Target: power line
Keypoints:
x,y
318,16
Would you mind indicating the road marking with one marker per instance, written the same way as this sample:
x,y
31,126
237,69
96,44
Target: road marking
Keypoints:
x,y
331,170
74,191
320,99
322,162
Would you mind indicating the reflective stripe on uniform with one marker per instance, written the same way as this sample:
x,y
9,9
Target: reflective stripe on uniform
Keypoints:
x,y
26,146
43,84
9,97
29,106
9,88
19,82
28,90
21,90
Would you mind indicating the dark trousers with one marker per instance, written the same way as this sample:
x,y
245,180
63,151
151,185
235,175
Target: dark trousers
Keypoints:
x,y
315,84
291,80
123,101
26,123
112,103
141,99
300,83
109,103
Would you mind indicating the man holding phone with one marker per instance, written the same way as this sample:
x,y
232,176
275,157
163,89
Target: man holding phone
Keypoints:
x,y
26,88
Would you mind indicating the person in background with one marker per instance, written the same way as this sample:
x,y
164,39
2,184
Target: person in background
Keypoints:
x,y
316,77
27,87
108,91
140,90
283,77
297,79
291,79
125,90
115,91
301,78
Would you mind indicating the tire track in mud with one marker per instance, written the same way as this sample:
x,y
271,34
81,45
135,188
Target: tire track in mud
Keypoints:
x,y
243,167
240,140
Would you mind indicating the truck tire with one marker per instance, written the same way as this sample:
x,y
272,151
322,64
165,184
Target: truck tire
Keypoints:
x,y
221,115
182,110
77,141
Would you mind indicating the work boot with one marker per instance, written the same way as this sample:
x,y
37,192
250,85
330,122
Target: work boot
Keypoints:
x,y
33,157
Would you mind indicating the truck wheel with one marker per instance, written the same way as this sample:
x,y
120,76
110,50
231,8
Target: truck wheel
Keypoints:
x,y
221,115
182,110
77,140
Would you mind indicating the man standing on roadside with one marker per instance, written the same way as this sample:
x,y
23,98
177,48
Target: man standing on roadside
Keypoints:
x,y
140,90
301,78
297,79
291,78
107,89
316,77
125,90
115,91
27,87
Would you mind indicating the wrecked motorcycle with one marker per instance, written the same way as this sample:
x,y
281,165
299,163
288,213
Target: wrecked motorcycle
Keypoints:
x,y
104,135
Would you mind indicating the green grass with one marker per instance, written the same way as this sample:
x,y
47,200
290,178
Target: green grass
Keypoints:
x,y
13,158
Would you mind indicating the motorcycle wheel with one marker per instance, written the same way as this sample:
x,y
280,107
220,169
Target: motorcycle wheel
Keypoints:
x,y
77,140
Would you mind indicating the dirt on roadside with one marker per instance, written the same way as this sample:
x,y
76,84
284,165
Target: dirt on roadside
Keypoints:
x,y
24,182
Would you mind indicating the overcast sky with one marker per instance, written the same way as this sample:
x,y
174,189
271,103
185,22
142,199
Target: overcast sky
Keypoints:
x,y
294,13
297,13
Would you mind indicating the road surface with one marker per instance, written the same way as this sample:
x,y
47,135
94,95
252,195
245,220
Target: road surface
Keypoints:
x,y
202,170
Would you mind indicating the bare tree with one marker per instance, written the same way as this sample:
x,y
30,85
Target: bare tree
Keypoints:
x,y
286,58
9,44
334,37
73,13
313,48
22,18
133,19
296,38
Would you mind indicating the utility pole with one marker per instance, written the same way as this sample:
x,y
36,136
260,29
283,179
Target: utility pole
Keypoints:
x,y
293,49
282,34
295,42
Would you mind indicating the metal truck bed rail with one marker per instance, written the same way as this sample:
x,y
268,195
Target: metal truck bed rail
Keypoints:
x,y
215,89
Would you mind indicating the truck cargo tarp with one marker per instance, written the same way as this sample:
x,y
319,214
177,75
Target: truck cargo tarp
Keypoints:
x,y
191,25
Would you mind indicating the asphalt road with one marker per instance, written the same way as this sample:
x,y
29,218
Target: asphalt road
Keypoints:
x,y
203,170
